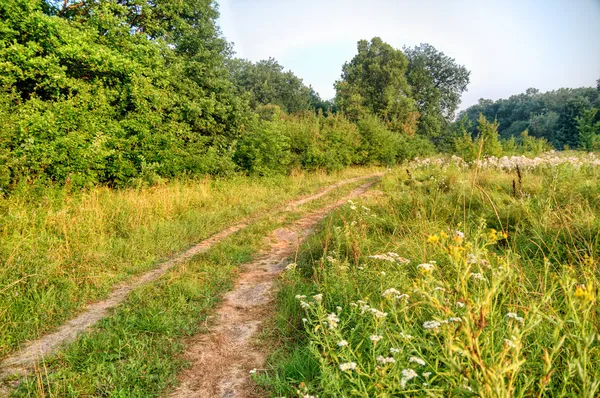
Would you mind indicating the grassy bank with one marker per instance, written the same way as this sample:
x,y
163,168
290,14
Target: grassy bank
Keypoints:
x,y
60,250
457,281
135,352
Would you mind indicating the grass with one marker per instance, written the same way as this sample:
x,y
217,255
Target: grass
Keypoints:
x,y
60,249
484,283
136,351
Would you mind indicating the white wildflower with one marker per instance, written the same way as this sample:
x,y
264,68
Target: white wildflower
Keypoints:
x,y
477,276
378,314
338,308
460,234
304,304
300,296
342,343
407,374
304,320
431,324
460,304
389,292
347,366
515,316
386,360
510,343
426,267
290,266
318,297
454,319
383,273
375,338
426,374
394,350
332,320
403,296
416,360
406,336
252,371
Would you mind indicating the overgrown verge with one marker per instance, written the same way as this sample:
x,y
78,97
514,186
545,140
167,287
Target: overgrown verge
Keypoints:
x,y
60,250
466,281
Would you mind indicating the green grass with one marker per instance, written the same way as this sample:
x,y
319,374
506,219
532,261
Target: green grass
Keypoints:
x,y
136,351
544,270
60,250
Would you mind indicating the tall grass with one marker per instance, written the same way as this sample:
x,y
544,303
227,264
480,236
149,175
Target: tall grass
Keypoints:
x,y
59,250
455,282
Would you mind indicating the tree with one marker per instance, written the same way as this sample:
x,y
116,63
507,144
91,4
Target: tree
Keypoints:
x,y
487,138
266,82
437,83
588,129
374,82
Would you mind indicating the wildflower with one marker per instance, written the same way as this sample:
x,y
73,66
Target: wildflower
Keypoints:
x,y
402,297
304,304
394,350
383,273
460,235
386,360
510,343
352,207
304,320
338,308
344,367
375,338
460,304
389,292
384,257
431,324
426,374
513,315
477,276
331,259
433,239
318,297
290,267
454,319
426,268
342,343
252,371
378,314
332,320
405,336
300,296
584,294
407,374
416,360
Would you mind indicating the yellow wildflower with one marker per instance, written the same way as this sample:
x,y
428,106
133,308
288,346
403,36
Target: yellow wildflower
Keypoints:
x,y
433,239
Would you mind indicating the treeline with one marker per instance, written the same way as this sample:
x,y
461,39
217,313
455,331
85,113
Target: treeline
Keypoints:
x,y
123,92
566,118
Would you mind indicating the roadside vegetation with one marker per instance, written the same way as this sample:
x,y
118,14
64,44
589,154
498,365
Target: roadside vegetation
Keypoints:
x,y
460,279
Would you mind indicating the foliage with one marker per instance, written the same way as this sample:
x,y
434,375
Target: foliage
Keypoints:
x,y
551,115
437,83
374,82
266,82
589,130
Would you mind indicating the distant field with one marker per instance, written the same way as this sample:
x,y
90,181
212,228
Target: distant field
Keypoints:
x,y
458,280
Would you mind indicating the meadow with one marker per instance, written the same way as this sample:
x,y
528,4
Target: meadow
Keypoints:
x,y
456,279
62,248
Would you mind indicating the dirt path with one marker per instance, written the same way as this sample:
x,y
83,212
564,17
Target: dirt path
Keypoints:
x,y
35,351
221,360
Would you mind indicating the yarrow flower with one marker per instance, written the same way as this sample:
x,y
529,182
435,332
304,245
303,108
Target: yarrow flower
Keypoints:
x,y
342,343
405,336
300,296
416,360
386,360
431,324
460,304
394,350
477,276
426,268
333,320
389,292
454,319
318,297
375,338
344,367
378,314
515,316
426,374
407,374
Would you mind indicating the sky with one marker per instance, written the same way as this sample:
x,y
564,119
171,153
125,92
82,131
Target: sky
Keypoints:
x,y
508,45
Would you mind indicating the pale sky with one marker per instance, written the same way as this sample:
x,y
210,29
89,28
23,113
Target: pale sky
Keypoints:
x,y
508,45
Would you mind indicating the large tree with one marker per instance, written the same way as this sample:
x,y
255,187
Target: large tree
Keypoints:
x,y
437,83
374,82
266,82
